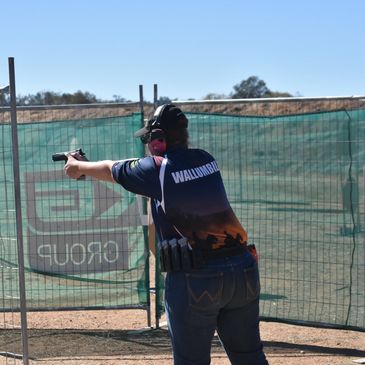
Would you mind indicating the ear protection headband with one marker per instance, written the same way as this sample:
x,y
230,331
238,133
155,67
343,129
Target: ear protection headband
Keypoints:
x,y
157,115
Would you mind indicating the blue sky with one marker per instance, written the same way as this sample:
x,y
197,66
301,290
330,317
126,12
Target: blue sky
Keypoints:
x,y
188,48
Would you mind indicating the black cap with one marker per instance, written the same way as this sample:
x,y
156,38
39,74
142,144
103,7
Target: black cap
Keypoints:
x,y
165,117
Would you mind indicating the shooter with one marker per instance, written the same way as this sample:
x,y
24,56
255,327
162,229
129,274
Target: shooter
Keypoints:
x,y
212,279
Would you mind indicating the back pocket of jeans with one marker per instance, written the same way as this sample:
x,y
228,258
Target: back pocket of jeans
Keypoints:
x,y
252,280
204,290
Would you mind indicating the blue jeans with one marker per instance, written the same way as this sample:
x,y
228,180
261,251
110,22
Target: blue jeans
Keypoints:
x,y
222,296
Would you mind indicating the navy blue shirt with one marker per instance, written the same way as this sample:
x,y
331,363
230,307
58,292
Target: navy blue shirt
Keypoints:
x,y
187,195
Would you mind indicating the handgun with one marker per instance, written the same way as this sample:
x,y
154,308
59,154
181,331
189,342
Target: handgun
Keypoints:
x,y
62,156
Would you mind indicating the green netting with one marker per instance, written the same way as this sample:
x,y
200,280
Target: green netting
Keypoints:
x,y
297,185
296,182
84,243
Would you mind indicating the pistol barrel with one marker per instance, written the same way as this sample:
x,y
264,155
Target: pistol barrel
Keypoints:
x,y
62,156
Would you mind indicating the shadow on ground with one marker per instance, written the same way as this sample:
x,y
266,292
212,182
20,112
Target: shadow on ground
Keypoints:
x,y
78,343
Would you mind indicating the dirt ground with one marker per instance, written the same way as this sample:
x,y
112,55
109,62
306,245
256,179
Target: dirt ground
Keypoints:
x,y
122,337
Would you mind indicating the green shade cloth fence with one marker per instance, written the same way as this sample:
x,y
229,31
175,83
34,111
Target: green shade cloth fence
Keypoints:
x,y
84,243
296,183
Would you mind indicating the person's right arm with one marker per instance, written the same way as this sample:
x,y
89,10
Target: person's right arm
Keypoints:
x,y
101,170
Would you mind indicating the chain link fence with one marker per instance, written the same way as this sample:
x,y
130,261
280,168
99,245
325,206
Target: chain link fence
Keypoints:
x,y
294,173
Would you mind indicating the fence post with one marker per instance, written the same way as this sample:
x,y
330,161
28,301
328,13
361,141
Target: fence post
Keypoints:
x,y
145,229
155,96
18,213
152,239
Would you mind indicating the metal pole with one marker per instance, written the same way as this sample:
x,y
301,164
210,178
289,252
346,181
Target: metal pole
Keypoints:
x,y
271,100
141,103
145,230
19,225
155,96
153,241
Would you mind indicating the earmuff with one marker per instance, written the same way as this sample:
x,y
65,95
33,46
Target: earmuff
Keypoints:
x,y
157,115
157,142
166,117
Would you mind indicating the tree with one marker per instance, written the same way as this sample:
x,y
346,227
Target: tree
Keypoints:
x,y
53,98
215,96
83,98
4,98
119,99
163,100
252,87
278,94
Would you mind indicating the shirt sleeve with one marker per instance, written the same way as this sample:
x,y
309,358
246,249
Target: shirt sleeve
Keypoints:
x,y
139,176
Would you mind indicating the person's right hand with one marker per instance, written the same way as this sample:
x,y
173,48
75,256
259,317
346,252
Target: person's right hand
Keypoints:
x,y
72,167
